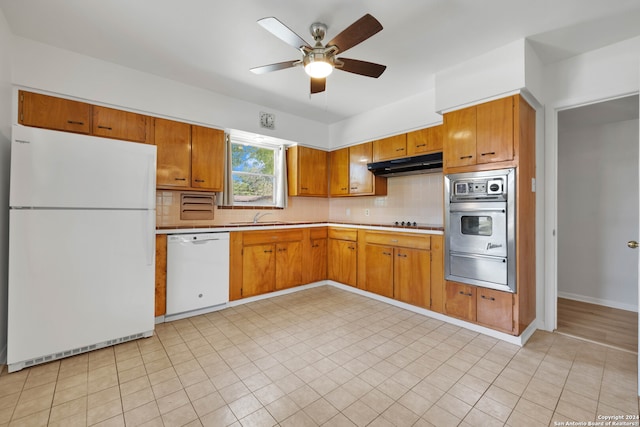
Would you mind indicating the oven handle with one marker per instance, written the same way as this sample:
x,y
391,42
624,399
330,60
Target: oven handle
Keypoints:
x,y
479,256
453,208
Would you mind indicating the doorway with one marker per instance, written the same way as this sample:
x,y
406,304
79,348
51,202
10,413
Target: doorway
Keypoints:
x,y
597,274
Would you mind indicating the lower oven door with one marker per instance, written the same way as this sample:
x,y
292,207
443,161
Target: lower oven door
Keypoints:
x,y
480,270
478,228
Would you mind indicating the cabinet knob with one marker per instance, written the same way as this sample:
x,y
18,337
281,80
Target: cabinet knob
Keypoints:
x,y
402,255
199,180
421,145
488,298
268,252
399,149
490,153
466,157
104,127
73,122
466,294
180,179
386,253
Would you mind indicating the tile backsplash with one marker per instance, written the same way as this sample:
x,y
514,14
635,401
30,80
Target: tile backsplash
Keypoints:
x,y
416,198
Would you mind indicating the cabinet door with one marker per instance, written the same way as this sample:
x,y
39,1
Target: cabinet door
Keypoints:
x,y
460,138
258,269
49,112
207,158
412,276
118,124
495,309
161,274
342,261
379,262
174,153
461,301
495,131
339,172
288,264
312,172
390,148
360,179
318,267
423,141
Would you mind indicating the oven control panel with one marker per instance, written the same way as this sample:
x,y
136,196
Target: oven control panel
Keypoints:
x,y
489,188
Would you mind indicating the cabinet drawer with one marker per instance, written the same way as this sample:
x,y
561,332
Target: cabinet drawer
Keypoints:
x,y
495,309
318,233
343,234
415,241
260,237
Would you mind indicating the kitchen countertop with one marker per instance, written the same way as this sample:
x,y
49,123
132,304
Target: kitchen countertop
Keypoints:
x,y
275,225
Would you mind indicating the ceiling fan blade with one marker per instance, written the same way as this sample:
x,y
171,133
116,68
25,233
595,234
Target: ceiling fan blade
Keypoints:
x,y
363,68
318,85
356,33
283,32
274,67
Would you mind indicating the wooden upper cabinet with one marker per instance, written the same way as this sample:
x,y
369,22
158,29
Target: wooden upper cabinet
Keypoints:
x,y
428,140
460,138
360,179
494,131
390,148
173,140
307,170
118,124
481,135
207,158
49,112
339,172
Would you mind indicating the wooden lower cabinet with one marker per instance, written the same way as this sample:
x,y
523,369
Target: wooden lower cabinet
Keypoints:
x,y
486,307
437,273
315,255
342,251
258,269
288,264
161,275
412,276
461,301
379,269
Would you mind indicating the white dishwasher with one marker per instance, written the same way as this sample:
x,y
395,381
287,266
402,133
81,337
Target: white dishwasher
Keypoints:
x,y
197,271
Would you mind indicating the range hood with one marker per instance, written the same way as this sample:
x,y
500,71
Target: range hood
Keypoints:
x,y
426,163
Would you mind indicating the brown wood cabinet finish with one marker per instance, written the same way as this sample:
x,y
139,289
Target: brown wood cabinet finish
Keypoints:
x,y
460,138
50,112
360,179
315,255
161,275
389,148
118,124
379,269
258,269
461,301
412,276
173,140
339,172
342,264
428,140
437,273
307,170
495,309
207,158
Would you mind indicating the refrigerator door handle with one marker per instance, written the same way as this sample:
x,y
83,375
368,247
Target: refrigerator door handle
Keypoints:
x,y
150,234
151,183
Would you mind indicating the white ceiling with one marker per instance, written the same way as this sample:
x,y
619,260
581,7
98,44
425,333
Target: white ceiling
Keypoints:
x,y
213,43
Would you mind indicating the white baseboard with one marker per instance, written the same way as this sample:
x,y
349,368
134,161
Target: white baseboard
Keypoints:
x,y
598,301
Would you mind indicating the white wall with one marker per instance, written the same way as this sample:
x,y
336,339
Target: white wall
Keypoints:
x,y
47,68
5,143
604,73
598,214
495,74
415,112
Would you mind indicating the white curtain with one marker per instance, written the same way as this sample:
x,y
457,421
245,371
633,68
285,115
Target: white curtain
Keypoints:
x,y
226,197
282,191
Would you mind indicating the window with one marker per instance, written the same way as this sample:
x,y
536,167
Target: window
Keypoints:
x,y
254,174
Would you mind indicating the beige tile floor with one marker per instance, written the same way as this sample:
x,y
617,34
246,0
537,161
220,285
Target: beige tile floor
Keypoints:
x,y
324,356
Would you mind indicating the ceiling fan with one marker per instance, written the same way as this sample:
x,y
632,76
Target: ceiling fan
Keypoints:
x,y
319,61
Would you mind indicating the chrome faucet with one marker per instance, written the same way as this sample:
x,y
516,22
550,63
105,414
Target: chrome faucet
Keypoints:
x,y
260,215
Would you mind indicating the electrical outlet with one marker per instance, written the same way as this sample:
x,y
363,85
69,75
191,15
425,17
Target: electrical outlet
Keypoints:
x,y
366,212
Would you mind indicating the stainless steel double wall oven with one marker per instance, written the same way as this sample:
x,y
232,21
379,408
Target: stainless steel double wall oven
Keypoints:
x,y
480,241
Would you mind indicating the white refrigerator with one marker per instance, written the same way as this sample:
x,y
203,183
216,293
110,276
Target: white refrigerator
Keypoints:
x,y
81,244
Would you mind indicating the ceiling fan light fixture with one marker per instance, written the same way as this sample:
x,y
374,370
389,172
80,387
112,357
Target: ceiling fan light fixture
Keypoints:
x,y
317,65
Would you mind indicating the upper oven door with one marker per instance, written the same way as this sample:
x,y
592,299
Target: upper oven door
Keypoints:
x,y
478,228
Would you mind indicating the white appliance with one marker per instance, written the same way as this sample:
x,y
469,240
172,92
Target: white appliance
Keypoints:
x,y
81,244
197,272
